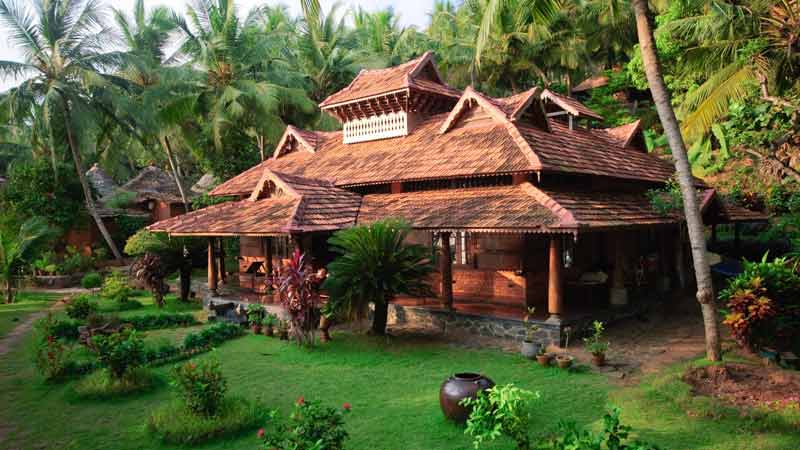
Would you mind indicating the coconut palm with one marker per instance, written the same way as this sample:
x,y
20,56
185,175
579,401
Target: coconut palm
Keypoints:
x,y
15,247
694,223
62,45
374,266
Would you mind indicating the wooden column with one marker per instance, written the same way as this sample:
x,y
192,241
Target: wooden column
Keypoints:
x,y
446,269
618,295
212,266
223,275
268,256
555,285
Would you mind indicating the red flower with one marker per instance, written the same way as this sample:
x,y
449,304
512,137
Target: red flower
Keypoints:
x,y
261,433
347,406
301,400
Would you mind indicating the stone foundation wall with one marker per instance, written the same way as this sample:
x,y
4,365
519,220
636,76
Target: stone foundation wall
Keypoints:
x,y
444,321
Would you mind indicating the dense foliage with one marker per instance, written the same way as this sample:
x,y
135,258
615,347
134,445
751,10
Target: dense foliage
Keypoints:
x,y
500,411
80,307
201,386
310,426
119,352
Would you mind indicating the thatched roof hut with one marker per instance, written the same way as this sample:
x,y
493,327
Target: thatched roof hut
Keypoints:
x,y
205,184
153,183
101,181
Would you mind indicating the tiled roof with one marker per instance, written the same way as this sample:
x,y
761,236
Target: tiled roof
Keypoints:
x,y
592,152
309,205
624,134
570,105
497,208
591,83
369,83
152,183
716,209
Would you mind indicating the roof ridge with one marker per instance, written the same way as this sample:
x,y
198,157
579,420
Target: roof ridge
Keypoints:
x,y
565,216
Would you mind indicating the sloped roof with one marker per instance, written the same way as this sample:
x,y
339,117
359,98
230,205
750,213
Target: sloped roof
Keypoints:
x,y
205,184
716,209
570,105
305,206
498,208
101,181
153,183
624,134
591,83
369,83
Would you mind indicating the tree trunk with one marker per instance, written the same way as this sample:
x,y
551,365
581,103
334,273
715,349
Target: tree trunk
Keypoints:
x,y
661,97
185,275
168,149
87,193
9,291
380,318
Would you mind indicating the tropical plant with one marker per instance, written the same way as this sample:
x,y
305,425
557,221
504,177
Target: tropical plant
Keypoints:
x,y
81,307
116,288
691,207
615,436
201,386
311,426
593,344
63,64
298,286
374,266
150,270
503,410
15,249
120,352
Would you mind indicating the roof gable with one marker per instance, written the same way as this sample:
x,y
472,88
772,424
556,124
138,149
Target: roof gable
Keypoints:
x,y
628,135
569,105
294,137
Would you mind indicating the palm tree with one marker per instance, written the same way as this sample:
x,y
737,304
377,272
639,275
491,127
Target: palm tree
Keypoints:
x,y
374,266
694,223
63,65
15,248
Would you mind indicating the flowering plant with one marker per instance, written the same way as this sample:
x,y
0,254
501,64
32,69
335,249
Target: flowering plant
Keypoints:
x,y
298,286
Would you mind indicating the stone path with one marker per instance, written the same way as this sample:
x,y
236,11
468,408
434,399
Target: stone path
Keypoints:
x,y
12,339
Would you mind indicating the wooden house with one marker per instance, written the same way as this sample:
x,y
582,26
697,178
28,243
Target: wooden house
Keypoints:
x,y
527,200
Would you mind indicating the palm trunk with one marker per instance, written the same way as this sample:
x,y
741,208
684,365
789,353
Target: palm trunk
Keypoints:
x,y
381,317
87,193
168,149
661,97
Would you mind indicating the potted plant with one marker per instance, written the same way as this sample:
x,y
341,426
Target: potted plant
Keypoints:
x,y
529,348
564,360
269,324
255,313
543,357
595,346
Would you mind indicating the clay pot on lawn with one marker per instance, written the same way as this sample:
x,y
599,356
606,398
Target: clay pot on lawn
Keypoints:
x,y
544,359
564,361
599,359
324,328
458,387
529,349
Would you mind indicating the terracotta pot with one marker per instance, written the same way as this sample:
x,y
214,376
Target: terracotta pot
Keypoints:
x,y
599,359
544,359
458,387
564,361
324,328
529,349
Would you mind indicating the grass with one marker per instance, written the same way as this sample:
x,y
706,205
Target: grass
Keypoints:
x,y
99,385
173,423
393,388
25,304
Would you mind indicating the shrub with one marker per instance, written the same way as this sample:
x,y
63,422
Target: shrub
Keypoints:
x,y
160,351
150,270
92,280
66,329
174,424
51,357
593,344
502,410
212,335
311,426
255,313
116,288
613,437
201,386
81,307
763,304
119,352
75,261
159,321
100,385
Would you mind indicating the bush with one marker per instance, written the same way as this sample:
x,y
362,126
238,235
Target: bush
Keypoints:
x,y
311,426
66,329
613,437
51,357
101,385
92,280
502,410
212,335
81,307
174,424
201,386
119,352
160,351
159,321
763,304
116,288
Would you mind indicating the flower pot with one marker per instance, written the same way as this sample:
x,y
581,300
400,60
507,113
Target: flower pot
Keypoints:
x,y
544,359
599,359
457,388
256,329
564,361
324,328
529,349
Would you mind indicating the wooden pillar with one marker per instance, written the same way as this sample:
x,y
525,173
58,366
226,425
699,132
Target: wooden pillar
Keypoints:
x,y
618,295
212,266
446,268
268,256
555,284
223,275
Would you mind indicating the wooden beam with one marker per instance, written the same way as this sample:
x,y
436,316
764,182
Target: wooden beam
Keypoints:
x,y
446,268
212,266
555,285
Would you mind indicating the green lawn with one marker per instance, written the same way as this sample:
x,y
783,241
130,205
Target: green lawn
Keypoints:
x,y
393,387
24,305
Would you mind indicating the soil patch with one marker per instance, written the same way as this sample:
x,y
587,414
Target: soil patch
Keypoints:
x,y
745,385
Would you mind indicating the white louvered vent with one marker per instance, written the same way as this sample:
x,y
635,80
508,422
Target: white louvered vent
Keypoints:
x,y
376,127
